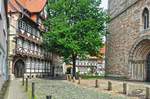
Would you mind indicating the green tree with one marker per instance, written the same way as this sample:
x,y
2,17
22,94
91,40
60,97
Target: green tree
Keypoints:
x,y
75,28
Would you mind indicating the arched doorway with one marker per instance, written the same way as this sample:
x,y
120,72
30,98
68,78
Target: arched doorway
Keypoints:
x,y
148,69
19,68
139,60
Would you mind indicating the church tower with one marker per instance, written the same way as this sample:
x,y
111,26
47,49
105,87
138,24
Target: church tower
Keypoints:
x,y
128,41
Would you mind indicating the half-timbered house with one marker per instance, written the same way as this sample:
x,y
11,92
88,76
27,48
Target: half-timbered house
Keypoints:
x,y
26,54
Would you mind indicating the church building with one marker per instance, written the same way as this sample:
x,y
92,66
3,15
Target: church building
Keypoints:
x,y
128,40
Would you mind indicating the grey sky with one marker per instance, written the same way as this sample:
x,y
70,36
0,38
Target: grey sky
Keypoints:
x,y
104,4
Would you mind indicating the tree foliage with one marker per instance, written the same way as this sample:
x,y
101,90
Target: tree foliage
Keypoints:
x,y
75,27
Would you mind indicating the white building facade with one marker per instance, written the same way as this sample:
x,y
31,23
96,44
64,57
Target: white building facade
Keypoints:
x,y
90,66
3,43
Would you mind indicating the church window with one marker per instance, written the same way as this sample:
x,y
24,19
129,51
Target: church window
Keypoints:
x,y
146,18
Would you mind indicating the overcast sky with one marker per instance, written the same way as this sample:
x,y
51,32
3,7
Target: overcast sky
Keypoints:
x,y
104,4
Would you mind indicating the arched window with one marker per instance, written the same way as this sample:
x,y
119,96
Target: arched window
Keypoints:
x,y
146,18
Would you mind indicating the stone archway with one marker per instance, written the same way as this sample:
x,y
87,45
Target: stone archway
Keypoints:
x,y
139,60
148,69
19,68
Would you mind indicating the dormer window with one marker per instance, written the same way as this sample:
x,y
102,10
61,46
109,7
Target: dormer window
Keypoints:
x,y
146,18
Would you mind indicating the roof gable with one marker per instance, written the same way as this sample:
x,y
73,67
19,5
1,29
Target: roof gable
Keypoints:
x,y
33,6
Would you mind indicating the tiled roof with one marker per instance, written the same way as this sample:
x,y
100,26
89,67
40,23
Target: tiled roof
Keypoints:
x,y
13,6
34,17
102,50
33,6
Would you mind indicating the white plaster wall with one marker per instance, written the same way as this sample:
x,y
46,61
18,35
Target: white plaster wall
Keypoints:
x,y
3,44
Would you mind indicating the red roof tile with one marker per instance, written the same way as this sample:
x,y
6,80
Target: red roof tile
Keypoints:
x,y
102,50
13,6
33,6
34,17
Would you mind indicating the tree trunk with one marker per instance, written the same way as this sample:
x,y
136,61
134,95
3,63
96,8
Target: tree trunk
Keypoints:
x,y
74,65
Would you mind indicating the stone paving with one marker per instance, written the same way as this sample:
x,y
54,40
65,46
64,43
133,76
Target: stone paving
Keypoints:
x,y
60,89
15,90
136,90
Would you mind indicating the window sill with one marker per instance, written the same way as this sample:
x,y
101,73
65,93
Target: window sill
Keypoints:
x,y
145,30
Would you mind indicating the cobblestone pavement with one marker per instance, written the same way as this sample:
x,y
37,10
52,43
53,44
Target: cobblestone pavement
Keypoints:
x,y
15,90
60,89
136,90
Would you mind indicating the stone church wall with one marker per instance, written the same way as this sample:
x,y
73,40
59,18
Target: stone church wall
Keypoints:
x,y
117,6
124,29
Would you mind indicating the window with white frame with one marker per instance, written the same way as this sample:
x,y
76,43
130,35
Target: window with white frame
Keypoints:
x,y
36,48
32,46
34,31
22,25
26,44
19,42
38,33
29,29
